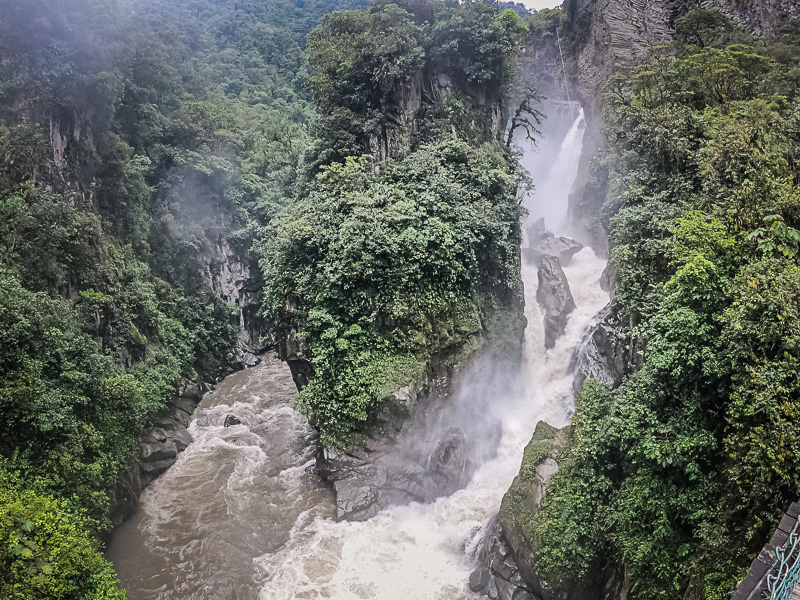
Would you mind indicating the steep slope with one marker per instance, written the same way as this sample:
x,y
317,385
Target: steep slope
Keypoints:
x,y
141,143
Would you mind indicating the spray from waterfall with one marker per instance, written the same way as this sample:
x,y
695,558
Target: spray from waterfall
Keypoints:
x,y
426,550
551,198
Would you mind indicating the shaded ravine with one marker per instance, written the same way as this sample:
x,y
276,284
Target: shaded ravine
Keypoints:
x,y
239,517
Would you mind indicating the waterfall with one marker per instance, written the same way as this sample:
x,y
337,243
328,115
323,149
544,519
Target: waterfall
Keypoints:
x,y
423,551
551,198
238,514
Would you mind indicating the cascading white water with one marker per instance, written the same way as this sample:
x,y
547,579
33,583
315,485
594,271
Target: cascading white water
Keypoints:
x,y
551,199
424,551
237,513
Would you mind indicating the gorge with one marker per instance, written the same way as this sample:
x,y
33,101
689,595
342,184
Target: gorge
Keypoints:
x,y
421,550
414,299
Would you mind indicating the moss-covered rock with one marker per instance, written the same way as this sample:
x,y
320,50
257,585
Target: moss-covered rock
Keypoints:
x,y
524,498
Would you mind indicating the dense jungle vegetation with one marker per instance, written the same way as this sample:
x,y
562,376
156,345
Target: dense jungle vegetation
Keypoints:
x,y
403,245
134,139
678,476
138,138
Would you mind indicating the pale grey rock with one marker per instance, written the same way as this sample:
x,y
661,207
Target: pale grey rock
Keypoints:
x,y
156,451
181,438
555,299
604,354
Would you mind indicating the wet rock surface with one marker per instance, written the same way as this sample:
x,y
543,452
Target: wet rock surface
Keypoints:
x,y
505,550
555,299
604,354
542,243
498,577
413,452
231,420
158,451
507,560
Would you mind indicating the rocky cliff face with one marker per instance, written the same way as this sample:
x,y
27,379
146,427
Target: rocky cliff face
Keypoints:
x,y
425,442
615,33
507,554
232,274
424,96
612,34
763,17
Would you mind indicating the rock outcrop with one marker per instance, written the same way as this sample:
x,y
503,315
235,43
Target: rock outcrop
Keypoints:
x,y
507,557
508,564
542,243
425,442
231,420
604,354
157,452
233,276
498,577
762,17
615,33
555,299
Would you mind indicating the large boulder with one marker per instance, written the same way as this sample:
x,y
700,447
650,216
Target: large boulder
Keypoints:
x,y
604,354
542,243
156,451
448,462
555,299
231,420
563,248
536,231
507,548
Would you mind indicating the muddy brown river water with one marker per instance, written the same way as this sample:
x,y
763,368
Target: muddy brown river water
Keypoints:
x,y
234,495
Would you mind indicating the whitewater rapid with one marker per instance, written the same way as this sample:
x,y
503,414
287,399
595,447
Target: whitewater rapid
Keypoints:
x,y
426,551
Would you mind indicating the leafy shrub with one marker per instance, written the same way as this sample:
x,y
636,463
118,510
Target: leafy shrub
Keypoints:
x,y
47,551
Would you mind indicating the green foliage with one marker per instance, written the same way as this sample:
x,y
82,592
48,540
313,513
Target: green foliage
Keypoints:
x,y
46,551
139,141
374,73
700,27
381,272
679,475
778,237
